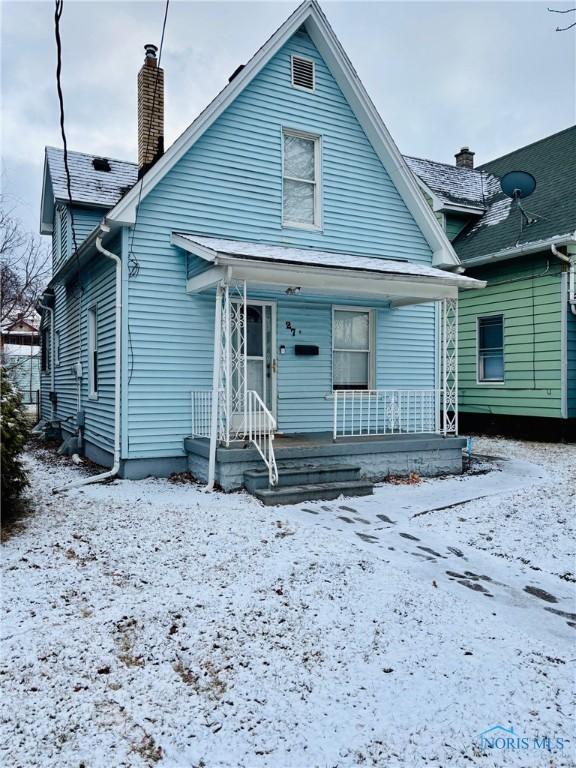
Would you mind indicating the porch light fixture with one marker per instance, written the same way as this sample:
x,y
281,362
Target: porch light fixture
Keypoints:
x,y
293,290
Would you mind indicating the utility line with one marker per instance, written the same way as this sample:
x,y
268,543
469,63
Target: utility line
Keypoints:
x,y
134,266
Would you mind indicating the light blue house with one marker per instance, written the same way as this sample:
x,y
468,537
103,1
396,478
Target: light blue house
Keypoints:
x,y
272,295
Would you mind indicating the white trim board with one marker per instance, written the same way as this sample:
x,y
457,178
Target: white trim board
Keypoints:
x,y
309,15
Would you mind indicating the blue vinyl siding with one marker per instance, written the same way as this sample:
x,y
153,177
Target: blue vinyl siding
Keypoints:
x,y
85,219
230,185
70,316
230,182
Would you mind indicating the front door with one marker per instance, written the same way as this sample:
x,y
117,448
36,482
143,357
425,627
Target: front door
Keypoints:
x,y
260,357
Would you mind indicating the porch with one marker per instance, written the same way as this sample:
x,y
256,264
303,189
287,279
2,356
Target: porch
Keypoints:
x,y
305,342
374,456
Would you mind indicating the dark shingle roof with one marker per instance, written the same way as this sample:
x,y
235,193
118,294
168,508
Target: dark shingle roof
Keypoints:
x,y
552,162
90,186
452,185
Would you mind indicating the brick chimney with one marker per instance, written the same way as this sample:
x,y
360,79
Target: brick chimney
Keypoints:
x,y
464,158
150,111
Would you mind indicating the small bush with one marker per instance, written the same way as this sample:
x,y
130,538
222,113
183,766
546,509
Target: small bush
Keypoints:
x,y
14,433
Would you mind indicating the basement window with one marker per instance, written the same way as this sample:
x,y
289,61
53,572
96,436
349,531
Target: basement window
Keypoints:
x,y
490,338
303,73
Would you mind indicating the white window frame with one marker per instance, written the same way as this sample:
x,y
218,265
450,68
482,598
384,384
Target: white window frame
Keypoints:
x,y
93,349
301,87
317,225
371,351
480,379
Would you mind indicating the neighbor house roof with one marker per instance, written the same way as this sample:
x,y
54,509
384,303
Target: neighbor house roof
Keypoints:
x,y
551,208
453,186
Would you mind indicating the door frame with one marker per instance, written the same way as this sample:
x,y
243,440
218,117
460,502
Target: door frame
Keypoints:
x,y
273,346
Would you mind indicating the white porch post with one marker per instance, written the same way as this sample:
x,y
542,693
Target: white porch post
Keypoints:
x,y
449,345
215,387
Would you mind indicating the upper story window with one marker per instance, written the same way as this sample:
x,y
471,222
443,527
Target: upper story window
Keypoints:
x,y
301,183
303,73
491,348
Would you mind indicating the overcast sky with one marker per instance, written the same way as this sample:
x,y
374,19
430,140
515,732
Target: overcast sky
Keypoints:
x,y
494,76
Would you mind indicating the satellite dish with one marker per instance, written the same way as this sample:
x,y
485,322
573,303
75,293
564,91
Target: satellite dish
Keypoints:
x,y
518,184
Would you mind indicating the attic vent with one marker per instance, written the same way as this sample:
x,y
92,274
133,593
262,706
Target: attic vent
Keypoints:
x,y
303,73
101,164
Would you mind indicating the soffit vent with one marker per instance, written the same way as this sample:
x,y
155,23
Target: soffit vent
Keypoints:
x,y
302,73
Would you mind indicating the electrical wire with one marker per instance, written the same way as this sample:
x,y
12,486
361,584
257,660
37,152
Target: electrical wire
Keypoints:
x,y
133,264
58,8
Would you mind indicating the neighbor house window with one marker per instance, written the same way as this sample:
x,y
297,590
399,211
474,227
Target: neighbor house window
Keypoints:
x,y
92,353
491,348
301,182
351,348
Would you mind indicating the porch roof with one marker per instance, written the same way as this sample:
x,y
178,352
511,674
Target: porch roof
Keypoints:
x,y
319,271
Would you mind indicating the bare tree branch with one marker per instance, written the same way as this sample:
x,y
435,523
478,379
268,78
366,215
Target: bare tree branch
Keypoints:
x,y
565,10
24,266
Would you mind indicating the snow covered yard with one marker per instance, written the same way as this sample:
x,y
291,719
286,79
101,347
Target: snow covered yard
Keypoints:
x,y
149,623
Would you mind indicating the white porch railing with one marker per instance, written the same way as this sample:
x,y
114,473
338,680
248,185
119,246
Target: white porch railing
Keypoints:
x,y
261,427
201,412
257,425
386,412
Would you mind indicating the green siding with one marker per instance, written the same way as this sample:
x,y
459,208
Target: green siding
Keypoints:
x,y
455,224
528,293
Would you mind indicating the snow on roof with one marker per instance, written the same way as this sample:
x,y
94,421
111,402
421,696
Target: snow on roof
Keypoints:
x,y
317,258
89,185
453,185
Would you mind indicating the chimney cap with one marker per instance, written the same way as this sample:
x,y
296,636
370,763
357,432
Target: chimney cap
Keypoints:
x,y
151,50
465,158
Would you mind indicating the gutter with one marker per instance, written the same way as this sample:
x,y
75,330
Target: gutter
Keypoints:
x,y
521,250
101,232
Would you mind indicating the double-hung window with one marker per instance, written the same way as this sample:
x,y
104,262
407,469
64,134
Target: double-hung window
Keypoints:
x,y
301,182
351,348
491,348
93,353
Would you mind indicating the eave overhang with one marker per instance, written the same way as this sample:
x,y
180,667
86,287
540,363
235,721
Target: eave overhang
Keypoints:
x,y
394,287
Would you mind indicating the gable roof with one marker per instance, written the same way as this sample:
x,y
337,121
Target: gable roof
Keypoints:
x,y
552,162
89,186
453,186
310,16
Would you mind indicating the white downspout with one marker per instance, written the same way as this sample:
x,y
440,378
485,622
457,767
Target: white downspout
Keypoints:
x,y
117,353
52,378
571,278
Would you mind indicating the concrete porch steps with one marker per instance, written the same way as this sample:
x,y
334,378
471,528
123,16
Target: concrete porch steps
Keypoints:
x,y
307,483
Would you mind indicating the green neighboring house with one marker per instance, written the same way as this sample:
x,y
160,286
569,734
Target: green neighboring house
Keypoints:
x,y
517,337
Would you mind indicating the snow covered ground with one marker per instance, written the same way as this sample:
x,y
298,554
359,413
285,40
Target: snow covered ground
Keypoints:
x,y
149,623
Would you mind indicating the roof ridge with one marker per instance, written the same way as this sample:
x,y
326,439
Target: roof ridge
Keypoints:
x,y
527,146
447,165
92,155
